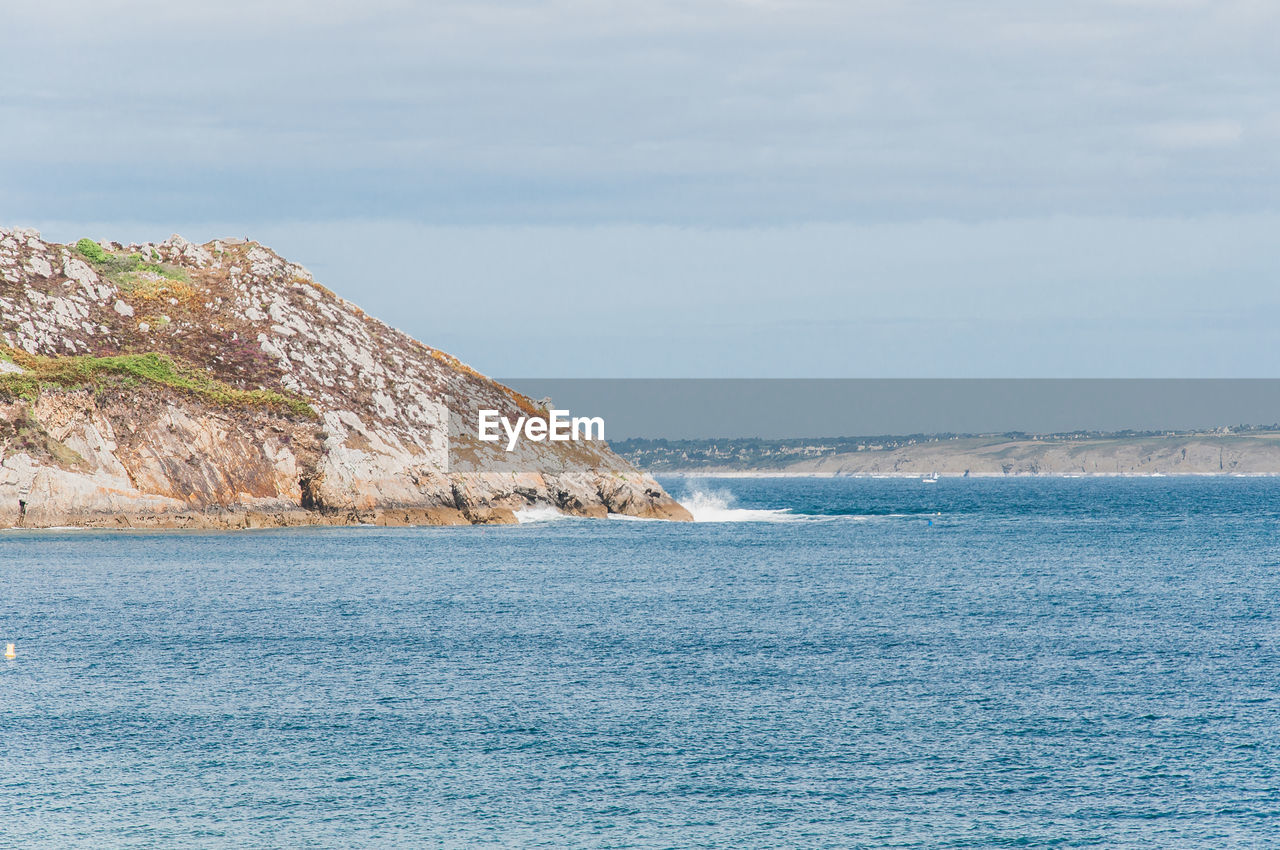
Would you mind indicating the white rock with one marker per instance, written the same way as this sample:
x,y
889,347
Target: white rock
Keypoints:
x,y
39,266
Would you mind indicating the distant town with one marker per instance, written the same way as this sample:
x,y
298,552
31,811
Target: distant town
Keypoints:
x,y
749,454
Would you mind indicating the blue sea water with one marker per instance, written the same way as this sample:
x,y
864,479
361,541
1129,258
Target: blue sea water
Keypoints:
x,y
832,663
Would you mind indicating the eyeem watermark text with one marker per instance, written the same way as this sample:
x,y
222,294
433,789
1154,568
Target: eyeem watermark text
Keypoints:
x,y
558,427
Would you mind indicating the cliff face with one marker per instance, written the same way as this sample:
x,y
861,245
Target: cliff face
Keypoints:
x,y
218,385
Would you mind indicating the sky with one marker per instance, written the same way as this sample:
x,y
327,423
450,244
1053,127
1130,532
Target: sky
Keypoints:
x,y
704,188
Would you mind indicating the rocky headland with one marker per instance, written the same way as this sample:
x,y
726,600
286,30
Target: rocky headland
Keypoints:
x,y
174,385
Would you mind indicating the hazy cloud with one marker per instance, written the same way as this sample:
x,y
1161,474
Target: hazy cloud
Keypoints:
x,y
1197,134
707,112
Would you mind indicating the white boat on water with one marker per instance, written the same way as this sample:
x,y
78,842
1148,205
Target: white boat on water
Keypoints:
x,y
930,479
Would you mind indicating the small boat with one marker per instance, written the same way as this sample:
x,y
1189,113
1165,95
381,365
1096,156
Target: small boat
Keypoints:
x,y
930,479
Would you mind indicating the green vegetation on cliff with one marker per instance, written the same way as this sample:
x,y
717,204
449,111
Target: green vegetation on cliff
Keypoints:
x,y
24,433
130,270
92,251
86,372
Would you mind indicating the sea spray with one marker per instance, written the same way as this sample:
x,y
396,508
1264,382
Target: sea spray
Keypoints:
x,y
541,513
715,506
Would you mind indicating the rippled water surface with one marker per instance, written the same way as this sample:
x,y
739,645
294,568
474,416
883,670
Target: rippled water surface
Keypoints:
x,y
831,663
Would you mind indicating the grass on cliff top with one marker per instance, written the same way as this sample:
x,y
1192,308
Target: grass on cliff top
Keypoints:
x,y
129,270
86,372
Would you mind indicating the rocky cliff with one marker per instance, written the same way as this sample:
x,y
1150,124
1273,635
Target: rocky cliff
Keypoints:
x,y
218,385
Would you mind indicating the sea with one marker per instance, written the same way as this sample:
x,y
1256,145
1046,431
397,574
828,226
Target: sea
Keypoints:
x,y
1030,662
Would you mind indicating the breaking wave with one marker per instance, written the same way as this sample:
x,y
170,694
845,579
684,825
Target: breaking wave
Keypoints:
x,y
541,513
717,507
712,506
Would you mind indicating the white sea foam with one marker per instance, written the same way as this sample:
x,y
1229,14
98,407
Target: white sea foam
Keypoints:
x,y
715,507
540,513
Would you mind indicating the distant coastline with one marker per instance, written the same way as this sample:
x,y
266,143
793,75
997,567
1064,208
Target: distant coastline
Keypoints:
x,y
712,472
1241,451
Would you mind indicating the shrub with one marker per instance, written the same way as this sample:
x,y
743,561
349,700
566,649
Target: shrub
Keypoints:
x,y
92,251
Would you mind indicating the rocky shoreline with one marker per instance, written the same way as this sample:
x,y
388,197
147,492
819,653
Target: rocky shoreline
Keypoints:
x,y
173,385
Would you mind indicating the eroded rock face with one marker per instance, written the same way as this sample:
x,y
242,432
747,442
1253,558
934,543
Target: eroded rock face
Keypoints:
x,y
152,455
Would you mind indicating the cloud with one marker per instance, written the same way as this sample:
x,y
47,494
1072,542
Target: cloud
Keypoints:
x,y
707,112
1196,134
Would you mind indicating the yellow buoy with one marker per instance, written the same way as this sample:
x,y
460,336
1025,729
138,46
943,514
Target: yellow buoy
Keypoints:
x,y
8,651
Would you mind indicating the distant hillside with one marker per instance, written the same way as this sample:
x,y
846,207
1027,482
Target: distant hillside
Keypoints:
x,y
218,385
1239,451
